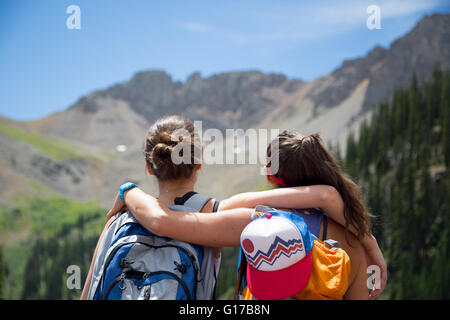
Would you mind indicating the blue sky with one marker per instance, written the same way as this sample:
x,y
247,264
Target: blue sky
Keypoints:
x,y
45,67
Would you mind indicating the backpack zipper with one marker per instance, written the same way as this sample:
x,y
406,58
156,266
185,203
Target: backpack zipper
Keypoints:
x,y
147,292
111,255
140,275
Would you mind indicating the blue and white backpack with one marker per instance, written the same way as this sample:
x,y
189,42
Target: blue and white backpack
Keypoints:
x,y
134,264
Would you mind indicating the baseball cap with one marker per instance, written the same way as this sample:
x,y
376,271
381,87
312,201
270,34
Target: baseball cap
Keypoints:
x,y
277,246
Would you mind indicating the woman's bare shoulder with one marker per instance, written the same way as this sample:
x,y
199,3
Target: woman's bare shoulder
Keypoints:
x,y
351,244
352,247
209,206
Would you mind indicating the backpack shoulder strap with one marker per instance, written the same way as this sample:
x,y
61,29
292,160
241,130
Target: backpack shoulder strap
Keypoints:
x,y
181,200
195,201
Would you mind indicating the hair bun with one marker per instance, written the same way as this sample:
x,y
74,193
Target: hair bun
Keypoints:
x,y
170,139
161,152
170,134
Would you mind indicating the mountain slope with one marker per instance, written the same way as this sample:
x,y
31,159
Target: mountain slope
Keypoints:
x,y
333,104
122,113
377,74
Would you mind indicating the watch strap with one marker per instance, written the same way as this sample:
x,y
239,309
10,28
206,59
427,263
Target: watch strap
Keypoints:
x,y
126,186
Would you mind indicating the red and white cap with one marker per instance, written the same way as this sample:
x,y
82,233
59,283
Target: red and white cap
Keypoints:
x,y
277,247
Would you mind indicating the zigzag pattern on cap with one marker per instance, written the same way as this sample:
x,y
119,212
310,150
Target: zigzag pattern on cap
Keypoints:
x,y
277,248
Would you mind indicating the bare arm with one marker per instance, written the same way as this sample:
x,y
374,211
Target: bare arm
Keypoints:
x,y
324,197
357,289
224,228
318,196
216,230
357,286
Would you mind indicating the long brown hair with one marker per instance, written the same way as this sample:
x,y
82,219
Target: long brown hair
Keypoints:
x,y
303,161
162,137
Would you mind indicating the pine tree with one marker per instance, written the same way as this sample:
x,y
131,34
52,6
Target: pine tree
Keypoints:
x,y
445,109
351,156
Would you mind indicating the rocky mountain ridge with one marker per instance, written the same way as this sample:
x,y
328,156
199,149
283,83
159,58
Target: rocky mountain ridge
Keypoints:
x,y
333,104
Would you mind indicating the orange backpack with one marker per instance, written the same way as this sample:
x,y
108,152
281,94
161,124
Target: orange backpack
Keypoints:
x,y
330,273
329,277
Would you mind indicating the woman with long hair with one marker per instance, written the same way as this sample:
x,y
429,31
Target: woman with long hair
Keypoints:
x,y
304,161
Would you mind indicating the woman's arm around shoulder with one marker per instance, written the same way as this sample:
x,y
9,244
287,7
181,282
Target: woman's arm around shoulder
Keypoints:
x,y
215,230
324,197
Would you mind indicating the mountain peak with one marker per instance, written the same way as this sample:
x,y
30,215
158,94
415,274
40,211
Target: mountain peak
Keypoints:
x,y
433,21
150,74
245,98
417,51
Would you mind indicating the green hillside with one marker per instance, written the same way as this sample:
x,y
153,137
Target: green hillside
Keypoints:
x,y
55,148
401,160
54,233
59,233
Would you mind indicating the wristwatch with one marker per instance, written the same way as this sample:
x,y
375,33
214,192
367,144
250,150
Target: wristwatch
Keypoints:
x,y
126,186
